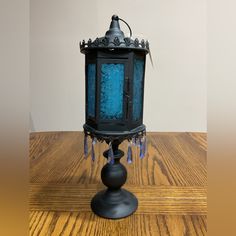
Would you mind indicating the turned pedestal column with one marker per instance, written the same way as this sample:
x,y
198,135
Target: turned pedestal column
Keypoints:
x,y
114,202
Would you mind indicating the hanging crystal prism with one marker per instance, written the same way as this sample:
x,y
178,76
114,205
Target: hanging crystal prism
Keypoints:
x,y
137,142
111,158
133,141
93,151
141,153
140,147
129,154
85,145
143,147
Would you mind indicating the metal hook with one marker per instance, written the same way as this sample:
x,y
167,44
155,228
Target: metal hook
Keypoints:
x,y
130,31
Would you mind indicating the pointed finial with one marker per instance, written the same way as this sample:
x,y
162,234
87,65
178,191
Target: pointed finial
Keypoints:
x,y
114,30
115,17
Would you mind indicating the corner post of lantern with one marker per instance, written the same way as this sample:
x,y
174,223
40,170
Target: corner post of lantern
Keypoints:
x,y
115,72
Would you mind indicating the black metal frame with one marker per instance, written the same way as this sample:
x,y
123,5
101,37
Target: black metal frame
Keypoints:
x,y
143,57
127,122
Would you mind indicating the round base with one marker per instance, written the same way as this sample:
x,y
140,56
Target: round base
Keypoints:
x,y
114,204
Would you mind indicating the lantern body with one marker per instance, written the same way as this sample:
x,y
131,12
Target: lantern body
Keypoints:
x,y
114,90
114,72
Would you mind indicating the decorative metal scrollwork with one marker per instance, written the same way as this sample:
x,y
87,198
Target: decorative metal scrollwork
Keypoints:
x,y
127,41
147,45
136,42
96,42
115,42
143,43
105,41
120,138
89,42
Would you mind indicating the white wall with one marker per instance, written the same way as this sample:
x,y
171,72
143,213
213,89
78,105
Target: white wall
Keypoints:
x,y
175,89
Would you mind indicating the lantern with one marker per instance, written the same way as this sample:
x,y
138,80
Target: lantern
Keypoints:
x,y
114,71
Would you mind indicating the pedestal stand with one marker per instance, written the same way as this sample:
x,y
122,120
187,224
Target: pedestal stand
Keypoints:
x,y
114,202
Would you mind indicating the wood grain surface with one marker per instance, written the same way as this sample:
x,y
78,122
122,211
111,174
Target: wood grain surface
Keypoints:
x,y
170,183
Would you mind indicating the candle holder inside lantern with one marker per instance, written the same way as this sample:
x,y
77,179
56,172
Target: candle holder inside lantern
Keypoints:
x,y
115,69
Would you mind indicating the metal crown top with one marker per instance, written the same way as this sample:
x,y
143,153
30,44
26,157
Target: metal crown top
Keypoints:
x,y
115,38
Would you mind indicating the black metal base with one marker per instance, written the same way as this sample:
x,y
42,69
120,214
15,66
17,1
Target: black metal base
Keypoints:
x,y
114,204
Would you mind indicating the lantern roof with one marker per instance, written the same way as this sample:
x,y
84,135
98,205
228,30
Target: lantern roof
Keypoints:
x,y
115,39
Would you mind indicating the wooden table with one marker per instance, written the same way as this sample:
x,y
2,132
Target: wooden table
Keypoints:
x,y
170,184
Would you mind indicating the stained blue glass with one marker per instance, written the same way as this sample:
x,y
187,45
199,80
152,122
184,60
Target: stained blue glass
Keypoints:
x,y
138,88
111,97
91,82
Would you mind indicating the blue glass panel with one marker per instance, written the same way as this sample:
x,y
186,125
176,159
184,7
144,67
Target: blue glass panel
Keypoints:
x,y
112,85
138,88
91,82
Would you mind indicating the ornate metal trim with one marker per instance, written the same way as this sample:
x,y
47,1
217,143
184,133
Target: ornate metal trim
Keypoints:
x,y
102,136
116,42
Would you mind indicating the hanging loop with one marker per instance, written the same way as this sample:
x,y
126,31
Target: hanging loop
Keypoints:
x,y
130,31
